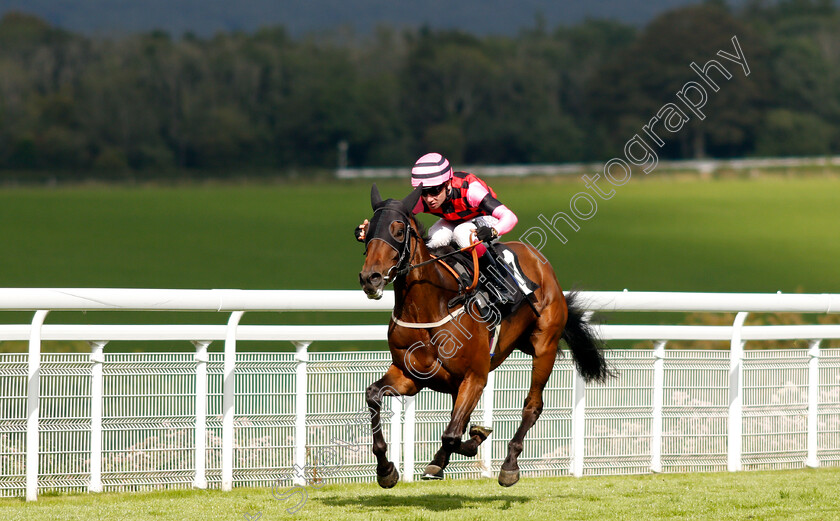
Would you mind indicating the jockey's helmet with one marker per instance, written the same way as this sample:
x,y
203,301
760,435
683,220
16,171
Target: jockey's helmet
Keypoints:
x,y
431,170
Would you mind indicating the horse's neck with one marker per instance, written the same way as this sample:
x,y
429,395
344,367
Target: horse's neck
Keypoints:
x,y
421,295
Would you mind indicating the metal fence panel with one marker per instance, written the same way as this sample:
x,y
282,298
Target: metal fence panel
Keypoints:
x,y
775,409
65,422
829,411
695,411
149,417
618,416
264,421
148,421
13,375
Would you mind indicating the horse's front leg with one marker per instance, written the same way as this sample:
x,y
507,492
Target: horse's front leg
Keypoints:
x,y
469,392
394,383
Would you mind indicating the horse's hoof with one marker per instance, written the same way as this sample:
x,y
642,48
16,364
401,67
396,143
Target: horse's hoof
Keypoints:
x,y
432,472
390,479
508,478
481,432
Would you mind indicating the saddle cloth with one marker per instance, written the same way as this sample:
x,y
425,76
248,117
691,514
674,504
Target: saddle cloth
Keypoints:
x,y
497,295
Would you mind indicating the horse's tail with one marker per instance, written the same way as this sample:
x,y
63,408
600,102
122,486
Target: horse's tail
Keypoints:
x,y
584,343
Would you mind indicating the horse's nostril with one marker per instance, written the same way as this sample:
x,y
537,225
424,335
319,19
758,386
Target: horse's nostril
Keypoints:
x,y
372,279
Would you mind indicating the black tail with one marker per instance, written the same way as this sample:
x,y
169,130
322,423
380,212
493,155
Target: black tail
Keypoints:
x,y
584,344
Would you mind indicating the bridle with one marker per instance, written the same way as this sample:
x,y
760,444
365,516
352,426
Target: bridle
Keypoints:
x,y
404,248
403,266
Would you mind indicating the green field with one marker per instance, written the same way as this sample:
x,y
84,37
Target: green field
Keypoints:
x,y
660,233
782,495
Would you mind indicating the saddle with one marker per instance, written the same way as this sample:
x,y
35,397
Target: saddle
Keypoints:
x,y
497,294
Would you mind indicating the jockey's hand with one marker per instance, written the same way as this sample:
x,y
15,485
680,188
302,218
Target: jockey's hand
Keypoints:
x,y
360,231
486,234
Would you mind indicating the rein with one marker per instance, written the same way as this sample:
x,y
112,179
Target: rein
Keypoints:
x,y
470,248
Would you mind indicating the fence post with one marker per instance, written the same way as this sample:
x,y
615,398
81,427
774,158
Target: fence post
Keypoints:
x,y
396,431
228,409
813,403
736,398
578,423
299,457
408,440
33,397
97,357
201,359
658,400
487,446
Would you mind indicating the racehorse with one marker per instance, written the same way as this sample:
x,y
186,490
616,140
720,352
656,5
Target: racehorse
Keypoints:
x,y
449,352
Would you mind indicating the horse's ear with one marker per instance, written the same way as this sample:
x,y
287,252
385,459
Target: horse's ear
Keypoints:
x,y
375,198
411,199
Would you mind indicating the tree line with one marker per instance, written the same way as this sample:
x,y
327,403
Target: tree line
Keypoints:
x,y
149,103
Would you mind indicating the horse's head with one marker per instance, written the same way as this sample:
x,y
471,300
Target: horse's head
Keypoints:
x,y
388,239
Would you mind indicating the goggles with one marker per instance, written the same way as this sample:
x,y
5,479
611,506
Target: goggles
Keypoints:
x,y
433,191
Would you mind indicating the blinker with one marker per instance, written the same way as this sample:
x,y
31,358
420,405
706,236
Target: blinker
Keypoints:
x,y
377,223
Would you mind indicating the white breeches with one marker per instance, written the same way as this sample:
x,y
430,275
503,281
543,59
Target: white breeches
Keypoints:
x,y
443,232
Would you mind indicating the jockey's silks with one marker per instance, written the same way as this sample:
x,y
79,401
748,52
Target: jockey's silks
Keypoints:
x,y
457,208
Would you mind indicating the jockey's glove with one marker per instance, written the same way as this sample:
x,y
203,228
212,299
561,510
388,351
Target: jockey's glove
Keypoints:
x,y
358,232
486,234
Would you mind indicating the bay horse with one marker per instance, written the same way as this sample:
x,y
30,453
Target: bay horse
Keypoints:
x,y
449,352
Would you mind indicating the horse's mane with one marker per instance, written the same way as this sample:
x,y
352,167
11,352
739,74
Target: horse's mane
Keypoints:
x,y
421,230
441,250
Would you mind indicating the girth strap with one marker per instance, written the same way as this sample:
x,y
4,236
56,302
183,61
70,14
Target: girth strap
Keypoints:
x,y
425,325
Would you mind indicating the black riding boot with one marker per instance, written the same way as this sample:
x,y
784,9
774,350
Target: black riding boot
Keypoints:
x,y
508,261
495,277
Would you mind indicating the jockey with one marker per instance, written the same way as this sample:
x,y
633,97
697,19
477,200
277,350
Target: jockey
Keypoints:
x,y
464,203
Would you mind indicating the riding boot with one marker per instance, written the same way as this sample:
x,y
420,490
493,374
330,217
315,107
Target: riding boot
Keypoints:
x,y
483,298
493,279
497,276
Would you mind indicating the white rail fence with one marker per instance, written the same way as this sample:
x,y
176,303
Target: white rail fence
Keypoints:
x,y
122,421
702,166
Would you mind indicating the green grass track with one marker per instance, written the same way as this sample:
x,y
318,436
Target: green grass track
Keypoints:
x,y
778,495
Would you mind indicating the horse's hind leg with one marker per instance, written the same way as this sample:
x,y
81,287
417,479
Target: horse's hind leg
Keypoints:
x,y
467,398
545,353
393,383
478,434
